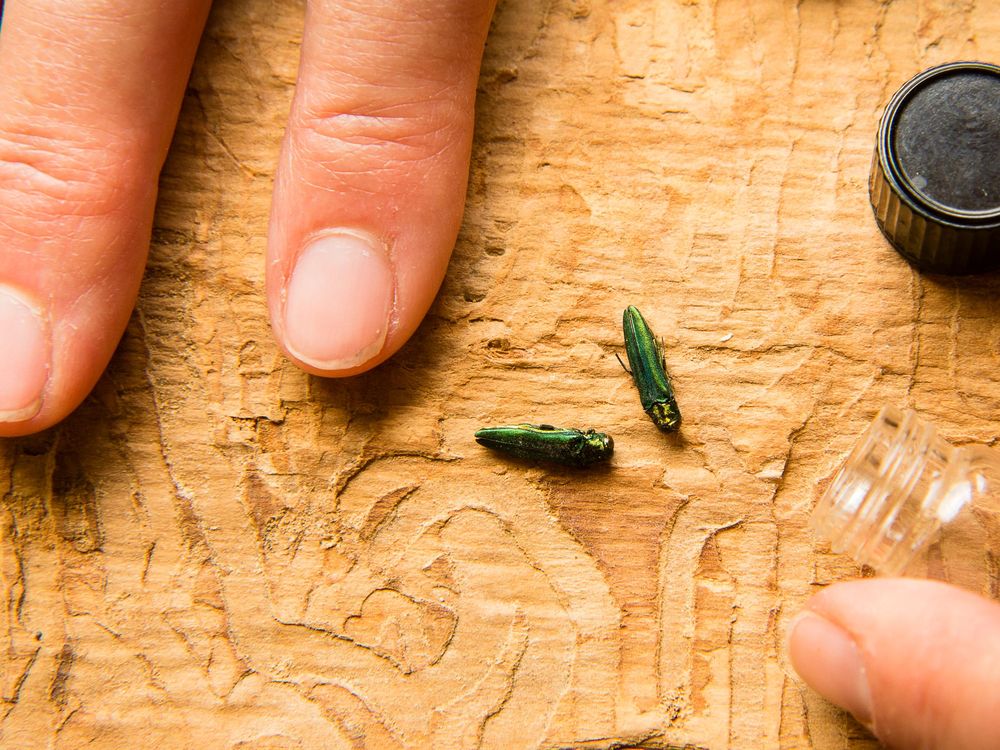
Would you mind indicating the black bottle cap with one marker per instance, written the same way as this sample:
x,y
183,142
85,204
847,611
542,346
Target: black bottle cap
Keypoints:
x,y
935,178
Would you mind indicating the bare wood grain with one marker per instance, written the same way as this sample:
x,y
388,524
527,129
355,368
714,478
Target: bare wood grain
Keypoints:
x,y
217,550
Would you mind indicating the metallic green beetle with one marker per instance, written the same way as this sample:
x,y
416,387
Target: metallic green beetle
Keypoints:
x,y
649,371
547,443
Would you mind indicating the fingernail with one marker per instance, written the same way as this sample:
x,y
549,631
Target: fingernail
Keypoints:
x,y
338,301
24,358
827,658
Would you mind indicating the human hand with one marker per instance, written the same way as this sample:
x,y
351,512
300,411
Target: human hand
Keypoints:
x,y
918,662
368,193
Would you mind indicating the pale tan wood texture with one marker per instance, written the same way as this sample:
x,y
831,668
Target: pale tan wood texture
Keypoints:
x,y
219,551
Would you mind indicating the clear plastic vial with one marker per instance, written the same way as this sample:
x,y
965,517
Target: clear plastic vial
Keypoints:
x,y
904,488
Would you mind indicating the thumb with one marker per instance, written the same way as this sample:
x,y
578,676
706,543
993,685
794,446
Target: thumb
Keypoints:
x,y
916,661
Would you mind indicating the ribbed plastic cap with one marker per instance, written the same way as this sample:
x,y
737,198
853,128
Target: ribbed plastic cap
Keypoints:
x,y
935,178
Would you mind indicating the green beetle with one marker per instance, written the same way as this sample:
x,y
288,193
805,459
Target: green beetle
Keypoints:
x,y
649,371
547,443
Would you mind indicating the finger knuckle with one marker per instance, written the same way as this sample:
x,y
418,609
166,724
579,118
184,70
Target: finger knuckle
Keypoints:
x,y
49,172
343,138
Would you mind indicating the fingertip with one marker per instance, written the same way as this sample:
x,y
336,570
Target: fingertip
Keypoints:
x,y
27,346
55,351
927,652
826,657
351,298
336,307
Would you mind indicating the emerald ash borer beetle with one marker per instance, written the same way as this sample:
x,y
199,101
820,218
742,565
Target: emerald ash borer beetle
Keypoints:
x,y
649,371
547,443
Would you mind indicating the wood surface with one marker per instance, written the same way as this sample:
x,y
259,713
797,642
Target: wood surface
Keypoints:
x,y
219,551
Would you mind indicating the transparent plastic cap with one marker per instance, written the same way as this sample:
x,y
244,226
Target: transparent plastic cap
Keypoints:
x,y
900,485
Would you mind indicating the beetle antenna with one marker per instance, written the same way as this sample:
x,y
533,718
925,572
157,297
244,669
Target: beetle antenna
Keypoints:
x,y
622,364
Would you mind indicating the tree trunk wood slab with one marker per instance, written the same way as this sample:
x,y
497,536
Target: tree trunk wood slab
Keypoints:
x,y
217,550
